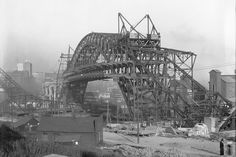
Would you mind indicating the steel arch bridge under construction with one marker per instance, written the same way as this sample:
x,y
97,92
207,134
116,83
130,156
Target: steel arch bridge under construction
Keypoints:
x,y
150,77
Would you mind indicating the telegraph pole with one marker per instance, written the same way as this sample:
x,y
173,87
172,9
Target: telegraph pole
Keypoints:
x,y
107,111
138,124
117,115
136,107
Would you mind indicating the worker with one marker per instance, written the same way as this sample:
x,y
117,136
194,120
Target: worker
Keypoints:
x,y
222,147
229,148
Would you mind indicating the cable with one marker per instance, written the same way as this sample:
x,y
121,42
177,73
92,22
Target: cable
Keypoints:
x,y
211,67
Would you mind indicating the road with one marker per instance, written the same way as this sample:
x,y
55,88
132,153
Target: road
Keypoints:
x,y
190,146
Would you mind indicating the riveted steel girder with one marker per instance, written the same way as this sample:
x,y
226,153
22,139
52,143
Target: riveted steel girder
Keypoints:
x,y
129,60
17,95
149,76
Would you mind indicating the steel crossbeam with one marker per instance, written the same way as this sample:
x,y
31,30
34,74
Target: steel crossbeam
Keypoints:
x,y
17,95
144,70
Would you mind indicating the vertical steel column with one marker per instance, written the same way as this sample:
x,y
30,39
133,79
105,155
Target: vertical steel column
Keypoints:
x,y
117,115
175,85
107,111
156,104
192,76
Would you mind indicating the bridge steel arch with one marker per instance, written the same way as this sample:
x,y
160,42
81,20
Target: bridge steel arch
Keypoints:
x,y
151,78
140,66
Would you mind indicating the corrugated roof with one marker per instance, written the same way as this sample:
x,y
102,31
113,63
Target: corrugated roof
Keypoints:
x,y
23,121
69,124
228,78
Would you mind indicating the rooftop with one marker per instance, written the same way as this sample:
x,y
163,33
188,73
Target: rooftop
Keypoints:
x,y
215,70
228,78
69,124
54,155
23,121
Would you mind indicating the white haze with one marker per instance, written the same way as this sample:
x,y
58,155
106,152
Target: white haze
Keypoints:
x,y
40,30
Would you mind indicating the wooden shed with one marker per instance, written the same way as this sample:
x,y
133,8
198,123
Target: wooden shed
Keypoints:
x,y
82,131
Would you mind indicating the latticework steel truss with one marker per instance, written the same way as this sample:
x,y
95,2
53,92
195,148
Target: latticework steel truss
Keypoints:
x,y
64,60
155,81
16,95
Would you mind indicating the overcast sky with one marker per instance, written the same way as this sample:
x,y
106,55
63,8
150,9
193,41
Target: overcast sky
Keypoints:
x,y
40,30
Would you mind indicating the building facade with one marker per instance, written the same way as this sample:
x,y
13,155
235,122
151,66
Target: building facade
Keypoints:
x,y
223,84
26,66
84,131
49,90
26,124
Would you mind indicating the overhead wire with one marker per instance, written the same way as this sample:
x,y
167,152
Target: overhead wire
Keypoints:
x,y
213,66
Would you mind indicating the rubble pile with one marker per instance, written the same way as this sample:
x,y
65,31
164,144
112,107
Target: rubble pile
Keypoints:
x,y
229,135
200,129
131,151
166,131
170,153
129,129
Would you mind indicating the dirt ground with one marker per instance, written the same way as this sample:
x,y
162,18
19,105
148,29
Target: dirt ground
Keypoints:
x,y
188,146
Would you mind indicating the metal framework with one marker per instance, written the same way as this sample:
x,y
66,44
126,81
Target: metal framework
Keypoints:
x,y
153,80
63,62
18,96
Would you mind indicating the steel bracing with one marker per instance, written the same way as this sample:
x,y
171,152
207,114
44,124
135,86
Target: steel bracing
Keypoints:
x,y
64,60
17,96
154,80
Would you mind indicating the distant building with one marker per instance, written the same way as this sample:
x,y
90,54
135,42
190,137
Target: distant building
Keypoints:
x,y
223,84
25,81
39,80
26,66
91,97
50,77
20,66
49,85
92,103
39,76
82,131
3,95
49,90
26,124
116,96
21,77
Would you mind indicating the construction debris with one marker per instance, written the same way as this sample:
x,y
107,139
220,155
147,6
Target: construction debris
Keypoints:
x,y
133,151
229,135
200,129
129,129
